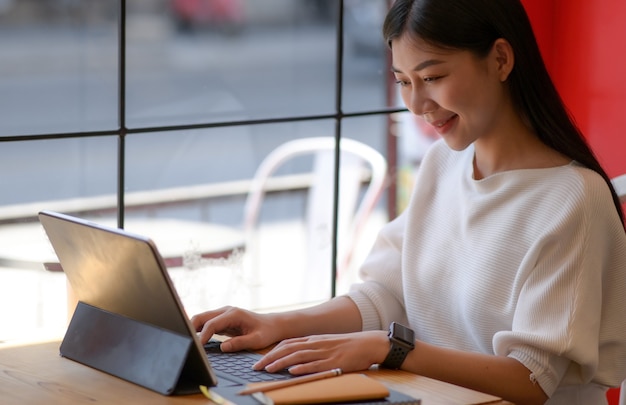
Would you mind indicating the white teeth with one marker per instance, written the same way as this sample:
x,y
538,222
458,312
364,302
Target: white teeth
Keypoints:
x,y
445,122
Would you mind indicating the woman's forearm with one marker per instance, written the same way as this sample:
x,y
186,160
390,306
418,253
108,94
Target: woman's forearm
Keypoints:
x,y
339,315
502,376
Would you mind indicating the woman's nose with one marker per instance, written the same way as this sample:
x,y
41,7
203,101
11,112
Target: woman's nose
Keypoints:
x,y
419,103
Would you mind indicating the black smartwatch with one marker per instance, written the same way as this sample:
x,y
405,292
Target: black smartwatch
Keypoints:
x,y
402,341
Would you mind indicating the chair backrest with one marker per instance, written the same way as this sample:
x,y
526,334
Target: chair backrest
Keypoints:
x,y
619,183
355,159
622,394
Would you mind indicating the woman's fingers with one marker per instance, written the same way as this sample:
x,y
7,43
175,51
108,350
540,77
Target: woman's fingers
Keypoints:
x,y
246,329
286,354
303,362
226,321
303,355
350,352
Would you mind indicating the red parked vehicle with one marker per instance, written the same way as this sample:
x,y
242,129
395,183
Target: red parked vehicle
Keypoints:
x,y
224,15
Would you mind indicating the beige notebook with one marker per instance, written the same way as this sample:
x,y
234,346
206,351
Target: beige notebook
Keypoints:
x,y
344,388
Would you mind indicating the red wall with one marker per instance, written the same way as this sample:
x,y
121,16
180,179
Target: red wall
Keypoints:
x,y
584,45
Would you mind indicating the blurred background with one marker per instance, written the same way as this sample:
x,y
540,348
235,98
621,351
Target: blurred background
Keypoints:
x,y
155,116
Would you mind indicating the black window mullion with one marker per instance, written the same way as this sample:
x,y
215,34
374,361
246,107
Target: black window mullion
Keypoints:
x,y
338,124
121,159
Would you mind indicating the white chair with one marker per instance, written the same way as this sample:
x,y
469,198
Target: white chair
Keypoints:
x,y
359,164
622,394
619,183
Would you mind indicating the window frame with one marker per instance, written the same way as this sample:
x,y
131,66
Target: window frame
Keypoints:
x,y
338,115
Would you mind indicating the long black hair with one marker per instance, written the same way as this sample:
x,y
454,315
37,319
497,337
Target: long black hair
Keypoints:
x,y
474,25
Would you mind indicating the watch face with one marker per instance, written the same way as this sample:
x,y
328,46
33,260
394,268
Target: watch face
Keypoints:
x,y
402,333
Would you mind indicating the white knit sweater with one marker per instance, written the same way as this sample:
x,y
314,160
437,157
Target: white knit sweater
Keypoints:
x,y
529,264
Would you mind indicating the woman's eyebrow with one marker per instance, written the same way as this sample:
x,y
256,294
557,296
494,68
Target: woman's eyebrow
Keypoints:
x,y
420,66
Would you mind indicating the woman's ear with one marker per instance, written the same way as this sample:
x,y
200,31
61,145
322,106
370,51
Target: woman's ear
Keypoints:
x,y
504,57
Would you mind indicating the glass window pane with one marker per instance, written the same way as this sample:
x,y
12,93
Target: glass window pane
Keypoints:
x,y
365,64
37,173
357,233
256,60
67,175
206,178
58,67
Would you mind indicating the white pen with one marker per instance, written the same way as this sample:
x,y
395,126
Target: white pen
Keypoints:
x,y
263,387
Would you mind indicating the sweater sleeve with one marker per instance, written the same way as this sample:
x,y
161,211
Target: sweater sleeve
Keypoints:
x,y
379,297
568,326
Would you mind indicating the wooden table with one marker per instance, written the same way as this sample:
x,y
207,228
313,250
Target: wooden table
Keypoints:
x,y
35,374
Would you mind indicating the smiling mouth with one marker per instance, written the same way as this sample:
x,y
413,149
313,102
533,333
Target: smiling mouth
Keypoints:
x,y
440,124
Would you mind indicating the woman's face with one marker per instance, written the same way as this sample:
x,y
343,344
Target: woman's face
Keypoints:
x,y
459,94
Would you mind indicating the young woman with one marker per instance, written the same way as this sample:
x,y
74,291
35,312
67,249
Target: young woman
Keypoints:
x,y
509,265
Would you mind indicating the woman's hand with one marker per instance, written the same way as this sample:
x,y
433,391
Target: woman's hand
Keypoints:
x,y
349,351
248,330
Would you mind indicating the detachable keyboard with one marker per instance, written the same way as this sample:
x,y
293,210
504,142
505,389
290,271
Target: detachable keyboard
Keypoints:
x,y
237,367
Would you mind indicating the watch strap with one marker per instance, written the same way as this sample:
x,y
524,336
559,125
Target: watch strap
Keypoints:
x,y
402,340
395,357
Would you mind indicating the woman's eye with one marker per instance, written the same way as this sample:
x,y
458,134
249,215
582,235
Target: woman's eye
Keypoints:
x,y
428,79
402,83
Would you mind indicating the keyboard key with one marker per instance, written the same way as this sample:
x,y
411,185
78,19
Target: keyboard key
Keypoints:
x,y
237,367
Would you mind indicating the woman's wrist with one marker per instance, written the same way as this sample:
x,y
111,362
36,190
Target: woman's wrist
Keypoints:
x,y
382,347
280,325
